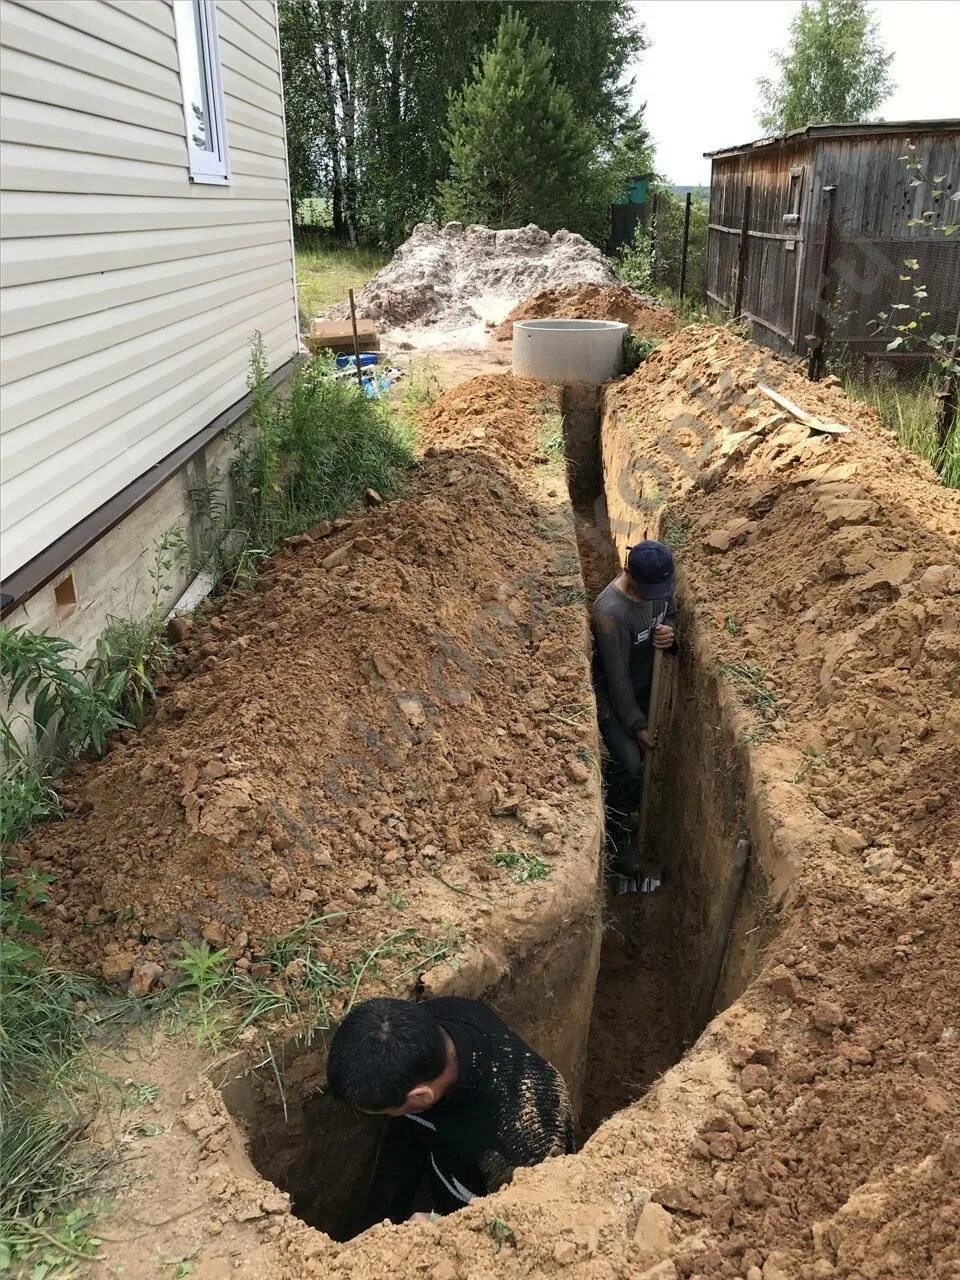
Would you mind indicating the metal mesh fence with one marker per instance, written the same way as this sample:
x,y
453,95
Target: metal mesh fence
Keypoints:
x,y
664,234
892,295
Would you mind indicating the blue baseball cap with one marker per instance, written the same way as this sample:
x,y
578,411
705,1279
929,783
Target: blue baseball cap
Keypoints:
x,y
650,566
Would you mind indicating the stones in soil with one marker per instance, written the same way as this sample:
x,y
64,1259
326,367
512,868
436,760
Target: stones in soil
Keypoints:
x,y
342,748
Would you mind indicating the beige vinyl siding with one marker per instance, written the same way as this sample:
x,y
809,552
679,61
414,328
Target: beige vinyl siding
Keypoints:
x,y
130,295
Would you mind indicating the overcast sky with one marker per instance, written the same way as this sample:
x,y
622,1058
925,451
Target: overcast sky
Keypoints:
x,y
699,76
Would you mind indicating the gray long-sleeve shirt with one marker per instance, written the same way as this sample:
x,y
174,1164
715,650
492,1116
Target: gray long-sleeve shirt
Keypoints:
x,y
623,653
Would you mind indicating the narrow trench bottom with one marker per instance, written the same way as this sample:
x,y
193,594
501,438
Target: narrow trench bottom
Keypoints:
x,y
668,959
634,1034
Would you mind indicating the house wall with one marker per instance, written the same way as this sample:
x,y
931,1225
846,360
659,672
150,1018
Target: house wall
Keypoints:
x,y
112,579
130,295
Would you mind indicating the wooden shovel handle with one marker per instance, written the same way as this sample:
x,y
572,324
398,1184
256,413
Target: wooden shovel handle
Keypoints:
x,y
652,718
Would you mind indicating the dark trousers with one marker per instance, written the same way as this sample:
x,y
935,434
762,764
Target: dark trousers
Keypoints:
x,y
623,774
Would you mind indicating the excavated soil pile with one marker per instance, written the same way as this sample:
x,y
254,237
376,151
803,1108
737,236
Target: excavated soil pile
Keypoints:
x,y
593,302
370,721
455,276
812,1131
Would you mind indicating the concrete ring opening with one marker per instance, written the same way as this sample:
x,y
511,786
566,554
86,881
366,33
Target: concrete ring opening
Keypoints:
x,y
567,351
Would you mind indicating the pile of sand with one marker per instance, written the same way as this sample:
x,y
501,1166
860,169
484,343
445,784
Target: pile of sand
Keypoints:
x,y
456,277
643,314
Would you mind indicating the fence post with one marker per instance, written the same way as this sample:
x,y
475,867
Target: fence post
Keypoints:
x,y
948,395
683,251
744,253
818,332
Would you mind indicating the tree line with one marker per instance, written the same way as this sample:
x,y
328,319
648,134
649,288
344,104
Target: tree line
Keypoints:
x,y
400,110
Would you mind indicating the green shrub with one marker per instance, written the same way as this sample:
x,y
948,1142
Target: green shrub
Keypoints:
x,y
313,452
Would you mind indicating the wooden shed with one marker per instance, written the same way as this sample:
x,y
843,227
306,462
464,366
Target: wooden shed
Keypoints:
x,y
809,233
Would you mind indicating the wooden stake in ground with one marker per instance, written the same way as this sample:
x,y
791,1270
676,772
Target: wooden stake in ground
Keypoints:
x,y
356,340
649,878
652,718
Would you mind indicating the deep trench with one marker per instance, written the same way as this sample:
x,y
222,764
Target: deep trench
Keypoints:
x,y
668,960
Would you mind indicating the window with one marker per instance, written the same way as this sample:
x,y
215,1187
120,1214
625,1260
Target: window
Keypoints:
x,y
199,52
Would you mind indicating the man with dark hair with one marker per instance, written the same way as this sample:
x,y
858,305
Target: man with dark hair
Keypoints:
x,y
469,1101
631,617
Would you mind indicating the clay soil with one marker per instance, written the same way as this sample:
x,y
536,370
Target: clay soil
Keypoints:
x,y
354,738
593,302
812,1131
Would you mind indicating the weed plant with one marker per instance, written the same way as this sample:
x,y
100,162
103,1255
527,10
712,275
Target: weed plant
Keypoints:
x,y
215,1002
326,273
550,441
523,867
635,351
311,453
909,409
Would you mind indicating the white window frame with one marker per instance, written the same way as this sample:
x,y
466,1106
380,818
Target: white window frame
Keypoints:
x,y
205,166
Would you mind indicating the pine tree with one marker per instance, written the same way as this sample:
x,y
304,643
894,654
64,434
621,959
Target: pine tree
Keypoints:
x,y
835,71
519,152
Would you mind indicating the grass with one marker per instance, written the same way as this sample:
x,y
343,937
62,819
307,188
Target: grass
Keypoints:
x,y
326,272
550,440
523,867
688,310
753,686
812,761
214,1002
42,1040
909,409
675,534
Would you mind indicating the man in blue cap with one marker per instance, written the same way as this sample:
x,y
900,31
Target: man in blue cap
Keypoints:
x,y
631,617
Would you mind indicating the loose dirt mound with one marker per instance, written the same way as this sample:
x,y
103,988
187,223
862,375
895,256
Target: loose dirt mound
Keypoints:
x,y
457,276
812,1133
478,416
368,722
593,302
827,575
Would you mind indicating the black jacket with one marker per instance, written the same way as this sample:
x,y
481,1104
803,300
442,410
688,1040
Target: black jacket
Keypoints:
x,y
623,653
508,1108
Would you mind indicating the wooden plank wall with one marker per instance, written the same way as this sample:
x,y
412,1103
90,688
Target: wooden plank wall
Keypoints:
x,y
878,197
780,180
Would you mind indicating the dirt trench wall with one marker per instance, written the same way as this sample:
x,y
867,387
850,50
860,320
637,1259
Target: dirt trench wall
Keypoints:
x,y
701,824
534,961
810,1133
323,1153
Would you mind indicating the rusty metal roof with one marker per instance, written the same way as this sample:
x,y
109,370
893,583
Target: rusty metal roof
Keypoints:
x,y
841,131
